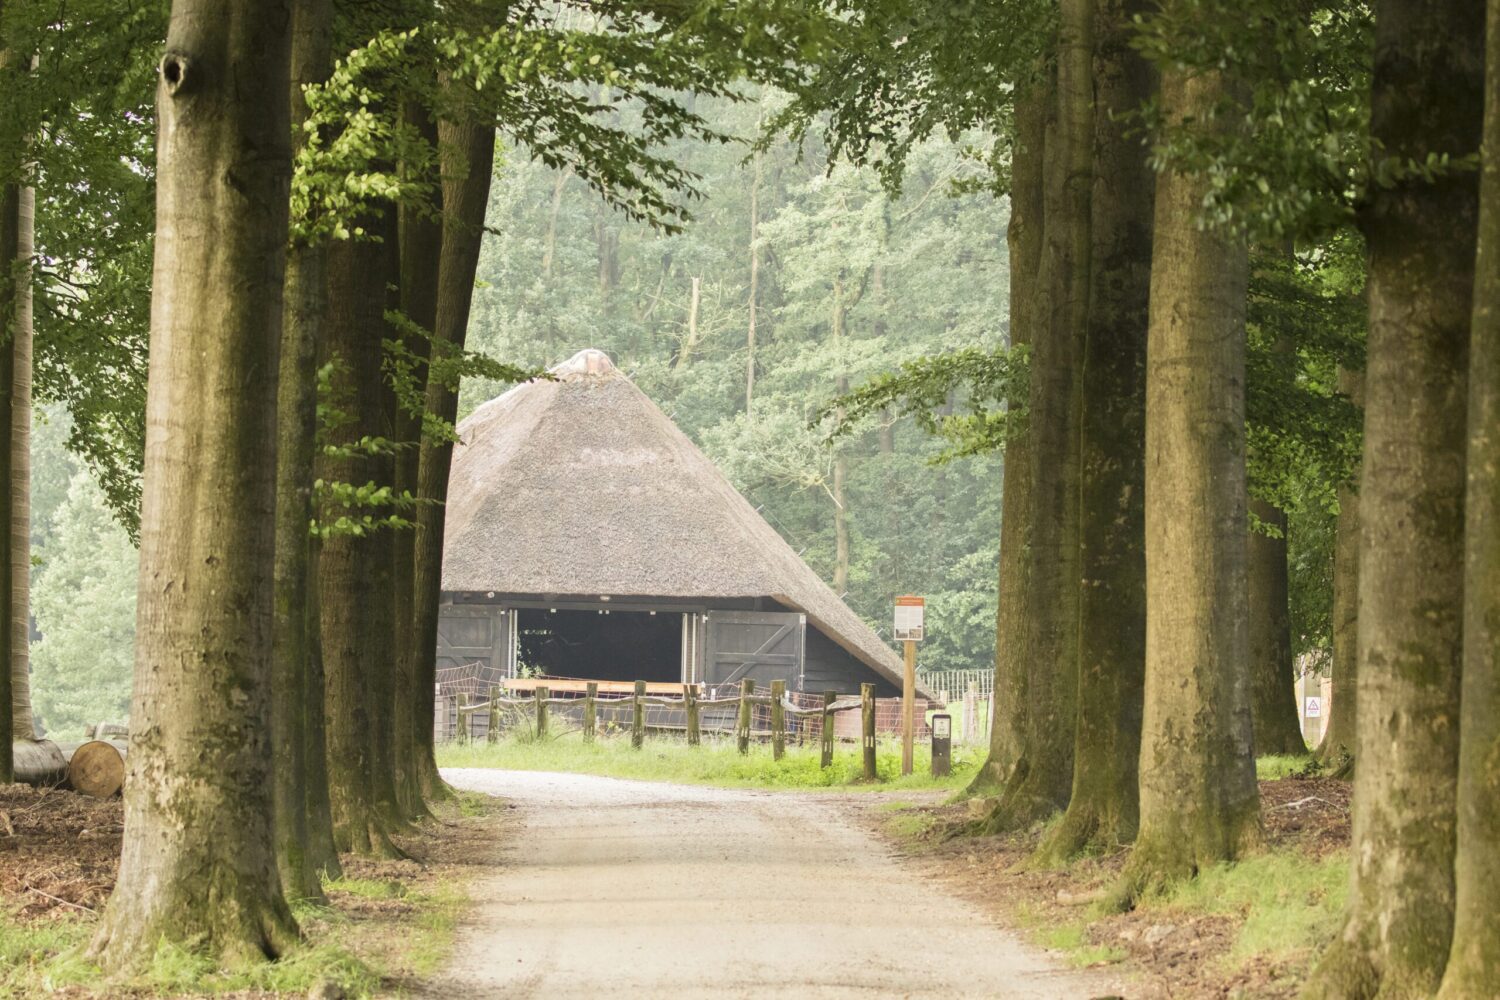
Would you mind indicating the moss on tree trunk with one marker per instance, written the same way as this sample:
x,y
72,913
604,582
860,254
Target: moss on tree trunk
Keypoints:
x,y
1473,969
304,835
354,571
468,150
197,865
1273,695
421,258
1427,96
1103,809
1198,797
1024,238
1042,776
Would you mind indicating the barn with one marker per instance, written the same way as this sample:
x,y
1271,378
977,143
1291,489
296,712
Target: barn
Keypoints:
x,y
587,537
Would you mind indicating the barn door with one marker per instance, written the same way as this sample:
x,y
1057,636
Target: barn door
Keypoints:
x,y
476,633
765,646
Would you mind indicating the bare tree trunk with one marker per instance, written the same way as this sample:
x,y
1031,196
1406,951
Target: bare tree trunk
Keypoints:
x,y
303,825
690,343
1473,970
1042,780
1024,236
1337,748
421,252
197,866
1427,94
1103,809
20,472
1199,800
840,463
10,244
468,165
354,572
1273,696
750,332
549,251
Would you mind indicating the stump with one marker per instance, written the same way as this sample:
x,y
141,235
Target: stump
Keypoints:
x,y
97,769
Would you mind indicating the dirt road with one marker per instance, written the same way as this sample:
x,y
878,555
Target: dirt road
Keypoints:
x,y
632,888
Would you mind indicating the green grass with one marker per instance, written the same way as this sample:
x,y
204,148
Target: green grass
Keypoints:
x,y
44,956
1274,768
1290,903
715,762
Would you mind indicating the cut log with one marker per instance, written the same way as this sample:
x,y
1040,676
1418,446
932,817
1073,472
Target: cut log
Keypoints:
x,y
97,768
39,762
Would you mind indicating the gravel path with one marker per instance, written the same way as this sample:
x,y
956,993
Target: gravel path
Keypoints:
x,y
638,888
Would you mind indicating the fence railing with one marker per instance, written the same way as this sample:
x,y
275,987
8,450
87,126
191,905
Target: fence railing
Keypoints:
x,y
781,710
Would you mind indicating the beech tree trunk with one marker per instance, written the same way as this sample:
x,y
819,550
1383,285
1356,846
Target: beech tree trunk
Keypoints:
x,y
10,243
421,249
197,866
1024,239
468,150
1042,778
20,470
1103,809
1427,96
1337,749
1273,694
303,826
354,572
1473,970
1199,800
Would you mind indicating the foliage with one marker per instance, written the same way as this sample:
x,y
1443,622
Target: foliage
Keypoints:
x,y
925,390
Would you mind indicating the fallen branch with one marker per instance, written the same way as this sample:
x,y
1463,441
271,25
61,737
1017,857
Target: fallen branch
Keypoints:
x,y
1300,803
59,899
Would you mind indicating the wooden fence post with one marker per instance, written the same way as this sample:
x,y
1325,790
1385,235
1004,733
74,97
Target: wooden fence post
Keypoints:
x,y
742,724
590,711
867,724
778,720
638,716
494,731
829,697
690,704
540,696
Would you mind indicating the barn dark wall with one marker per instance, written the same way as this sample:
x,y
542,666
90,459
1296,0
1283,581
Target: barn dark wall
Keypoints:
x,y
619,646
829,667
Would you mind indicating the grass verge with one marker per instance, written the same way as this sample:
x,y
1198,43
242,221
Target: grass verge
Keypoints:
x,y
387,925
715,762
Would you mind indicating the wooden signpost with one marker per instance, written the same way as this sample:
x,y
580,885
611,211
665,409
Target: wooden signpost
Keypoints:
x,y
909,628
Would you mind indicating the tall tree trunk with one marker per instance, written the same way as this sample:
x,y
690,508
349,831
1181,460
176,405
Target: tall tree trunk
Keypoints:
x,y
468,150
421,252
840,463
1427,96
549,248
1337,748
1043,777
1473,970
303,826
354,571
1273,696
10,244
197,865
1024,238
20,471
1199,800
750,331
690,342
1103,809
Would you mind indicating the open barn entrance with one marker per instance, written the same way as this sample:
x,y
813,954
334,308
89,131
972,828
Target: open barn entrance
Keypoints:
x,y
617,646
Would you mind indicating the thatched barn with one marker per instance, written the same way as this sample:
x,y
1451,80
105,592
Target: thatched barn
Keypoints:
x,y
587,537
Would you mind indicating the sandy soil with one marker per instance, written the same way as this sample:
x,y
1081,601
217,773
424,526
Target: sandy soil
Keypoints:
x,y
644,889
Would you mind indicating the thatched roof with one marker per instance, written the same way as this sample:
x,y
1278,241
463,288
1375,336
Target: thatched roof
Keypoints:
x,y
582,486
